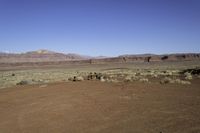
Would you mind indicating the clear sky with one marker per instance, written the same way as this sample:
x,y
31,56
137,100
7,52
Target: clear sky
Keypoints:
x,y
100,27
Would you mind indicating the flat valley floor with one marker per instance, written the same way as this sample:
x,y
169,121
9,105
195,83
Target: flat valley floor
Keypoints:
x,y
101,107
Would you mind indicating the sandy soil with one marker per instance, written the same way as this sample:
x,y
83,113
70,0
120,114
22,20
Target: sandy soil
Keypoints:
x,y
95,107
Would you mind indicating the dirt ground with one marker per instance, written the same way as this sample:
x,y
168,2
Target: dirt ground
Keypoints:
x,y
96,107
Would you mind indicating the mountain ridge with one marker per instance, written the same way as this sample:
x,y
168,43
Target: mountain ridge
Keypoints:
x,y
43,55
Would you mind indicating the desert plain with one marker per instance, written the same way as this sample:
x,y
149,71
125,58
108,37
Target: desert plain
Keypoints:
x,y
132,97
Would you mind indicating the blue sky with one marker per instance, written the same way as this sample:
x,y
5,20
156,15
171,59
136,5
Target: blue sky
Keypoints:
x,y
100,27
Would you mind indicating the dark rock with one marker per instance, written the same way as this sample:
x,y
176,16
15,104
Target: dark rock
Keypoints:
x,y
75,78
24,82
98,76
164,57
194,71
147,59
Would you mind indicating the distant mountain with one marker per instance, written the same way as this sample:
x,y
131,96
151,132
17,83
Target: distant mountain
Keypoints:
x,y
137,55
39,56
100,57
51,56
164,57
41,51
148,58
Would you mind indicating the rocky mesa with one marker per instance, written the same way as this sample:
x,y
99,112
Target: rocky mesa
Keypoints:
x,y
44,56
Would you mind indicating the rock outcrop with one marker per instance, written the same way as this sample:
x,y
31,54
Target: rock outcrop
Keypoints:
x,y
45,57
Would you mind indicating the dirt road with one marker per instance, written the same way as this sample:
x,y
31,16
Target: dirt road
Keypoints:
x,y
95,107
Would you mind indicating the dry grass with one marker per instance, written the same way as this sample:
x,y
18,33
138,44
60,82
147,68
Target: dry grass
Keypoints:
x,y
167,80
188,76
38,76
144,80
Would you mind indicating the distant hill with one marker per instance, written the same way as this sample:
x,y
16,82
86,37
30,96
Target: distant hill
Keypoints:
x,y
149,58
39,56
165,57
137,55
51,56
